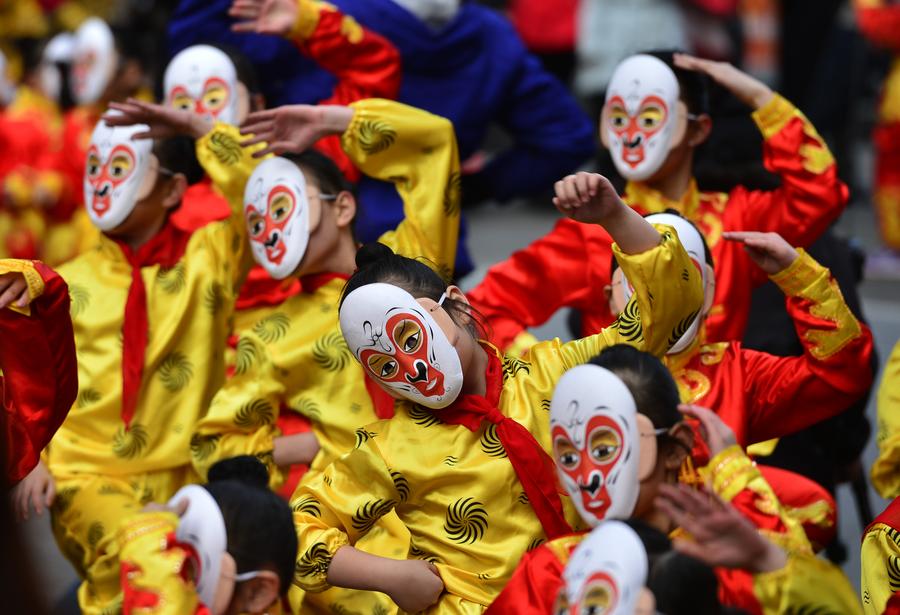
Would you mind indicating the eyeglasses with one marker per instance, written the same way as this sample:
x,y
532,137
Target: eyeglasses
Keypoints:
x,y
327,197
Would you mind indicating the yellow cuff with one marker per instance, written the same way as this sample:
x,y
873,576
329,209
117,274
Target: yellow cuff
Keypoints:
x,y
772,116
144,523
32,278
308,12
799,275
729,472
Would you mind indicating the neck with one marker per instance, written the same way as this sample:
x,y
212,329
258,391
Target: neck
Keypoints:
x,y
141,236
343,258
673,185
474,381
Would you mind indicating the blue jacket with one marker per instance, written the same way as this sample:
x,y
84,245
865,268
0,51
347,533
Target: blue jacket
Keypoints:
x,y
475,72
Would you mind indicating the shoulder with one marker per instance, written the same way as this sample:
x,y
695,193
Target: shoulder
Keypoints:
x,y
888,521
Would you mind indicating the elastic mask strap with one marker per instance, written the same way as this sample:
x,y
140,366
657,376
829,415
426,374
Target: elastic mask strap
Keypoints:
x,y
246,576
441,300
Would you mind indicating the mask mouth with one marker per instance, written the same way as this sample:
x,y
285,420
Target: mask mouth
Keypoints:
x,y
101,201
274,245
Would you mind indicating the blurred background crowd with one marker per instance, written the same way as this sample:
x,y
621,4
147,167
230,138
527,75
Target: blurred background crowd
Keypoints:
x,y
518,133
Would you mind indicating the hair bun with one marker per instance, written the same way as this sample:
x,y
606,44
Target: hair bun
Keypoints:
x,y
244,468
371,253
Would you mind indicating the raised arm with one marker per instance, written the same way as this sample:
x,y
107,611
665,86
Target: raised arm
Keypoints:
x,y
564,268
416,151
39,379
366,64
667,288
787,394
811,195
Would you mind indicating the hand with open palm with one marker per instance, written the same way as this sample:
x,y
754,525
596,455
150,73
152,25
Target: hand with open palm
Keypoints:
x,y
264,16
163,121
294,128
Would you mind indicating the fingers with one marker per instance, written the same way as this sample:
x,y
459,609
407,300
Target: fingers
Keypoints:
x,y
50,497
707,417
22,300
244,9
37,500
181,507
244,27
13,292
583,187
21,502
433,569
691,549
258,117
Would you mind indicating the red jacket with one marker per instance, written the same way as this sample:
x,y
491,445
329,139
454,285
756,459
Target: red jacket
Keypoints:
x,y
570,266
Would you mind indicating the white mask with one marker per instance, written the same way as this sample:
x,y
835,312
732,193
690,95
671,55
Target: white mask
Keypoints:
x,y
203,527
642,119
94,61
693,244
606,574
203,79
436,13
58,51
400,345
276,209
115,174
596,442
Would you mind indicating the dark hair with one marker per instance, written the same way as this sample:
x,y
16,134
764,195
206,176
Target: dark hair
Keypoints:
x,y
694,85
649,381
259,524
707,254
179,155
376,262
243,67
245,468
323,169
683,585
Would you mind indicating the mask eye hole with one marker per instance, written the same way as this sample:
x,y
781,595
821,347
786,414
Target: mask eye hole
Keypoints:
x,y
408,336
618,117
93,165
215,97
280,207
597,598
651,117
565,452
256,224
383,366
183,102
604,444
120,166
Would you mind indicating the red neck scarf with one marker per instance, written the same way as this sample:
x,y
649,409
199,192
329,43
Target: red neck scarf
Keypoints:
x,y
381,400
164,249
532,464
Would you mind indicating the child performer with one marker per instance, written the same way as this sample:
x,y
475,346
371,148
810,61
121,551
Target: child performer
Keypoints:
x,y
619,444
654,119
762,396
39,378
470,428
301,212
151,307
223,548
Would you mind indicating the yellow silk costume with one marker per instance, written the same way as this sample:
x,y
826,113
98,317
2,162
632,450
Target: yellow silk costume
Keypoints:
x,y
103,471
880,559
885,471
311,370
455,490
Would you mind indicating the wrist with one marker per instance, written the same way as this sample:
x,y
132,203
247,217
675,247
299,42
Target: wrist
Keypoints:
x,y
761,98
200,126
770,559
335,119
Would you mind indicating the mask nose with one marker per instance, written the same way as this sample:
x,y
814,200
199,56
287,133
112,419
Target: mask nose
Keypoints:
x,y
593,485
421,373
105,187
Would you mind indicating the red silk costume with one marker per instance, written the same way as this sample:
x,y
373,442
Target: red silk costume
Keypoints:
x,y
570,266
879,21
40,373
538,578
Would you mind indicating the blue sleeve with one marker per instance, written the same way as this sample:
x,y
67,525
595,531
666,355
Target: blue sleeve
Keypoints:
x,y
552,136
285,76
